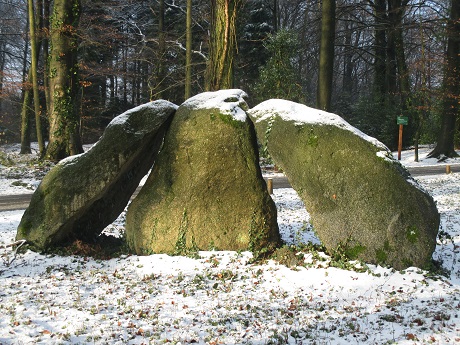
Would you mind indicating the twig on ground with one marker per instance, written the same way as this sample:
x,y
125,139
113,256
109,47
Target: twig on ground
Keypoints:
x,y
6,257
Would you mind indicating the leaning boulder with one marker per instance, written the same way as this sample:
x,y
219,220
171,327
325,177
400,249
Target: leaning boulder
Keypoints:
x,y
361,200
206,189
83,194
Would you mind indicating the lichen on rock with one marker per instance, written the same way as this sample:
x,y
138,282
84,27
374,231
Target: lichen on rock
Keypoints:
x,y
354,190
206,189
83,194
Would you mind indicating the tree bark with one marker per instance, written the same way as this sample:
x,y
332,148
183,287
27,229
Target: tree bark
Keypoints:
x,y
219,71
124,57
45,44
64,138
188,52
380,88
34,49
399,84
391,67
326,55
25,112
25,117
157,91
2,66
145,96
403,71
347,81
276,17
451,86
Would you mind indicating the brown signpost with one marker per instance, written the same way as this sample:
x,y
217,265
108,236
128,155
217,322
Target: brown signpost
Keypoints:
x,y
401,121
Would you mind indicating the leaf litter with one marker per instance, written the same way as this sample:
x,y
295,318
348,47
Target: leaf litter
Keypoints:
x,y
223,297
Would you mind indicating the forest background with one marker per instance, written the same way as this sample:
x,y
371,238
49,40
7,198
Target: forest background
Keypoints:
x,y
389,58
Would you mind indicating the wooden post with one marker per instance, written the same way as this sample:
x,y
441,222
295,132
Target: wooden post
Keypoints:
x,y
400,141
270,185
448,171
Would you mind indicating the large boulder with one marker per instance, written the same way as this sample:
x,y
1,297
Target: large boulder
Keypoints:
x,y
361,200
206,189
82,194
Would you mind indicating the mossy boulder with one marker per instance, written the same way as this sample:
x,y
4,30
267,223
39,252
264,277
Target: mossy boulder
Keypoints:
x,y
206,189
83,194
361,200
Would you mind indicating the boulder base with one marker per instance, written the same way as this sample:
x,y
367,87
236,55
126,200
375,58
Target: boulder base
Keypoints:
x,y
206,189
83,194
360,199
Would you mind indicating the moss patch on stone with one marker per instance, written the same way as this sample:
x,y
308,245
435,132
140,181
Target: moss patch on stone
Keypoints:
x,y
351,189
381,256
412,234
208,166
81,195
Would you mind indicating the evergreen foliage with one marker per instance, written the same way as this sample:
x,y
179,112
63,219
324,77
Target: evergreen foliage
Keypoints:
x,y
254,29
278,78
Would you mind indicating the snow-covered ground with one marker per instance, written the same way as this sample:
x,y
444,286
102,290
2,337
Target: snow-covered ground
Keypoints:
x,y
221,297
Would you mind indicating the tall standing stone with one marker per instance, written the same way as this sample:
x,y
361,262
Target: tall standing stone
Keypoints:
x,y
360,199
83,194
206,189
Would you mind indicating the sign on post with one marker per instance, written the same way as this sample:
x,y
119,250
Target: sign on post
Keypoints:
x,y
402,120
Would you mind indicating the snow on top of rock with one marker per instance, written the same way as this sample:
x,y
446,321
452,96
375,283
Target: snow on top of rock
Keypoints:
x,y
71,159
301,114
386,155
229,102
122,118
119,120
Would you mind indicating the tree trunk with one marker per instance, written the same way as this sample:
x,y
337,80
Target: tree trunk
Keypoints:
x,y
276,17
391,67
326,56
380,89
138,82
25,123
451,86
64,138
188,52
397,9
347,81
144,80
157,90
124,58
45,44
2,66
134,81
25,112
34,73
219,71
112,88
421,114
